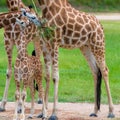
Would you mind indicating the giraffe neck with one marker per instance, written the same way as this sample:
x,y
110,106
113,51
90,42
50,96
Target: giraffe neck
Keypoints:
x,y
15,5
52,6
22,48
8,18
48,2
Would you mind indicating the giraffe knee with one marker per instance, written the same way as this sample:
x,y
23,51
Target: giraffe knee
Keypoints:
x,y
55,77
55,80
17,95
23,96
8,74
105,73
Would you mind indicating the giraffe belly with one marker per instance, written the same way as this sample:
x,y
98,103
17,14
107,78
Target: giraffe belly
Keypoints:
x,y
70,42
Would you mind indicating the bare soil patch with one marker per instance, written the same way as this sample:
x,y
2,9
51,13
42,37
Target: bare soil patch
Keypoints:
x,y
66,111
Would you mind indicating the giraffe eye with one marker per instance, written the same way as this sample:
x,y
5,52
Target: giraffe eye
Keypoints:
x,y
24,13
33,17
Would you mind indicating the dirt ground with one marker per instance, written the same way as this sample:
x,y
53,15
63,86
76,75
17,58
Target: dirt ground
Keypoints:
x,y
66,111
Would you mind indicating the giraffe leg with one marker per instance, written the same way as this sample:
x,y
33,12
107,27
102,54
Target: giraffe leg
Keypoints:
x,y
39,99
23,98
36,86
17,98
104,71
55,77
8,75
47,60
32,93
86,51
43,115
20,100
100,59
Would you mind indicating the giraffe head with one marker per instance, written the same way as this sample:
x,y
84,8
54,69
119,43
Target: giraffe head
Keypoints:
x,y
26,18
31,16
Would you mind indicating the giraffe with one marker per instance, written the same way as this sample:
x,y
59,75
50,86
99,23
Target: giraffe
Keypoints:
x,y
9,41
74,29
26,68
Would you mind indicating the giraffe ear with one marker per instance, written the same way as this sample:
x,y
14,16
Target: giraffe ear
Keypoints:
x,y
23,11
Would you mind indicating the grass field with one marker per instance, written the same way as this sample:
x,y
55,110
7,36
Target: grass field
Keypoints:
x,y
76,82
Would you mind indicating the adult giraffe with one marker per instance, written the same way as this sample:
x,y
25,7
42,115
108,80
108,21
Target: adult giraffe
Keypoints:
x,y
9,41
74,29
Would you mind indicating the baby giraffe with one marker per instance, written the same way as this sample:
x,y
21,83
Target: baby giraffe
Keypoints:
x,y
27,68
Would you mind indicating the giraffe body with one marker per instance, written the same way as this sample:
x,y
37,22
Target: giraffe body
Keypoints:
x,y
74,29
10,34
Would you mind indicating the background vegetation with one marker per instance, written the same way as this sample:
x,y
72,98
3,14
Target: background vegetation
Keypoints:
x,y
76,82
85,5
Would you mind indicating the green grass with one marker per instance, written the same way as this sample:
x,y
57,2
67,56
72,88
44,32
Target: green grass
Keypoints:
x,y
76,82
97,5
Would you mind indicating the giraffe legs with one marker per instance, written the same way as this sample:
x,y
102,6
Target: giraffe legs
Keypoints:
x,y
104,72
99,69
8,75
100,60
43,115
47,60
86,51
20,103
32,93
4,100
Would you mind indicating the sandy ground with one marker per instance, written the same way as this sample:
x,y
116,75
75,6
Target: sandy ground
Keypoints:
x,y
66,111
107,16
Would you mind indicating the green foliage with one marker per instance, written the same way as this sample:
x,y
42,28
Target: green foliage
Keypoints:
x,y
97,5
47,32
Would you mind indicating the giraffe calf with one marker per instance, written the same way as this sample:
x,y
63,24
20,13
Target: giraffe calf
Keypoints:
x,y
26,70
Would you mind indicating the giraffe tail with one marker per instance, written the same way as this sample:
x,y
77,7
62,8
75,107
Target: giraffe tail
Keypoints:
x,y
35,85
33,53
98,88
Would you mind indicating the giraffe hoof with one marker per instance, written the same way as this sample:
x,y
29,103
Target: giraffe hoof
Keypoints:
x,y
40,102
111,115
2,109
53,117
93,115
40,116
29,117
